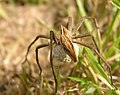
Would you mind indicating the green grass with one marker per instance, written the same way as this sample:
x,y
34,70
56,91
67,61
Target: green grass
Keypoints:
x,y
110,28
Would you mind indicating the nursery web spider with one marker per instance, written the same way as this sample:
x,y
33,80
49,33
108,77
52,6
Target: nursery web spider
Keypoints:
x,y
65,39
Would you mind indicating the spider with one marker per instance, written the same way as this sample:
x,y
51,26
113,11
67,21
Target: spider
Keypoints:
x,y
66,41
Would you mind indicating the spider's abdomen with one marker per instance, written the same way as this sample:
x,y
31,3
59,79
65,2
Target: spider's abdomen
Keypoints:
x,y
59,54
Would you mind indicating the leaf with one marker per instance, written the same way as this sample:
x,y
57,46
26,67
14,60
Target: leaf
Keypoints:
x,y
83,81
78,79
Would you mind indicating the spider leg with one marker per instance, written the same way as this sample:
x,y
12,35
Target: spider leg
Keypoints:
x,y
28,49
103,59
70,23
89,35
37,59
83,20
51,58
106,63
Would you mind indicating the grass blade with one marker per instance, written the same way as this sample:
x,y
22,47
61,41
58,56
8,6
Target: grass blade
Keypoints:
x,y
83,13
95,65
116,3
110,28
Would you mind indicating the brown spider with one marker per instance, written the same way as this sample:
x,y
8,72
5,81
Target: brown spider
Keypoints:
x,y
65,40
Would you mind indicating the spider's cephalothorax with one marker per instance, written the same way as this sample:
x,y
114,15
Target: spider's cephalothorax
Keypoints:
x,y
64,49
